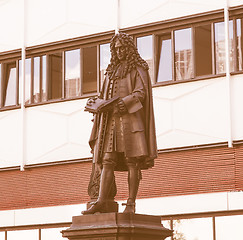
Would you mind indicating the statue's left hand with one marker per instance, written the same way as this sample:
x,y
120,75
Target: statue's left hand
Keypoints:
x,y
121,106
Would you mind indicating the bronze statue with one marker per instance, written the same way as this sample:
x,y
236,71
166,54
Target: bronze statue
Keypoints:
x,y
123,135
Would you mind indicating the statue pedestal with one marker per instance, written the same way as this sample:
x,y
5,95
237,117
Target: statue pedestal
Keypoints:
x,y
111,206
116,226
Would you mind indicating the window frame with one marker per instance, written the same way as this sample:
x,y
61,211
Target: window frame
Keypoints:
x,y
158,34
99,82
97,69
155,29
213,215
48,79
170,217
4,89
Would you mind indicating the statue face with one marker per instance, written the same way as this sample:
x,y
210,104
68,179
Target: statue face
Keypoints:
x,y
120,51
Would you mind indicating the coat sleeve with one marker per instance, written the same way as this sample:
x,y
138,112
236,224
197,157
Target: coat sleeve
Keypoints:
x,y
133,101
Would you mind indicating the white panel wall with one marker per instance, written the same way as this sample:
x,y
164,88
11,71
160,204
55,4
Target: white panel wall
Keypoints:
x,y
10,138
186,114
55,20
235,2
191,113
237,106
58,132
140,12
49,21
11,19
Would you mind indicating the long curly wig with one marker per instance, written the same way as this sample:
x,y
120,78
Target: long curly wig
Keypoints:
x,y
133,58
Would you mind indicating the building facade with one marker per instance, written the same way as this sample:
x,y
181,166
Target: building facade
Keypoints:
x,y
53,56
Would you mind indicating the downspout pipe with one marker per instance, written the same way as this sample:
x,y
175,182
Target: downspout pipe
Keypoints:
x,y
118,16
23,118
22,86
228,77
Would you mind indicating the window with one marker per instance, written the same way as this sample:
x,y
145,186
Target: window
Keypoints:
x,y
44,80
165,59
239,44
89,83
58,75
23,234
33,234
105,56
52,233
55,62
219,35
9,84
72,74
223,224
190,229
173,54
208,226
1,83
37,81
197,51
28,84
183,54
145,49
203,50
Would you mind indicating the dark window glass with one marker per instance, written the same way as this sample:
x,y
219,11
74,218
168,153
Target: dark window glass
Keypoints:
x,y
37,81
9,84
105,56
145,49
183,54
0,79
44,82
165,59
55,76
72,73
89,84
203,50
239,40
219,30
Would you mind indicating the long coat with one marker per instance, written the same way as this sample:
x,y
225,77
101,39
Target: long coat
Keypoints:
x,y
138,122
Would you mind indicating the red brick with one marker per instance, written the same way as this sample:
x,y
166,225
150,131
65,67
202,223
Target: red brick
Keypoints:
x,y
175,173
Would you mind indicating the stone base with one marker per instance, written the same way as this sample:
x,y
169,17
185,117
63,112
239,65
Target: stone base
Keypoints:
x,y
116,226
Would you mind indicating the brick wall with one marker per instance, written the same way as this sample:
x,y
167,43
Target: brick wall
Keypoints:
x,y
206,170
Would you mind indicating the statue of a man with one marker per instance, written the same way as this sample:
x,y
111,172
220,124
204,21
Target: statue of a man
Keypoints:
x,y
123,137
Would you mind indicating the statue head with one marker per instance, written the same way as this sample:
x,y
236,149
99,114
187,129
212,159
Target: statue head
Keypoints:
x,y
122,48
121,45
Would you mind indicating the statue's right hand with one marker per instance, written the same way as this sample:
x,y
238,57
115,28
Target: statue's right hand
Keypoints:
x,y
91,101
